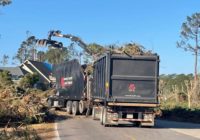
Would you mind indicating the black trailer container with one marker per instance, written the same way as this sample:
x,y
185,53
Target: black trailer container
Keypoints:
x,y
125,88
70,86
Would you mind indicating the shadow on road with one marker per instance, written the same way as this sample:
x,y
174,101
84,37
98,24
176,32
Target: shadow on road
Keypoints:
x,y
159,124
172,124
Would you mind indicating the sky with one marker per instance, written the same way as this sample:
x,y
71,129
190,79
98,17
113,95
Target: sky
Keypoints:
x,y
155,24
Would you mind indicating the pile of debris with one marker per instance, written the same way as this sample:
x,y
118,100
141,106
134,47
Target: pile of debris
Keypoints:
x,y
132,49
18,133
18,108
129,49
29,107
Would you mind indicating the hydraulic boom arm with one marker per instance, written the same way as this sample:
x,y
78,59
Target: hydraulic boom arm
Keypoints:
x,y
71,37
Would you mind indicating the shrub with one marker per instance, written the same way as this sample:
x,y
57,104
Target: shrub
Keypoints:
x,y
29,80
5,78
182,114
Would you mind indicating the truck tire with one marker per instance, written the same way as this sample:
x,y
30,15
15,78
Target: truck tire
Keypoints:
x,y
75,108
104,121
94,113
82,107
69,107
101,117
138,124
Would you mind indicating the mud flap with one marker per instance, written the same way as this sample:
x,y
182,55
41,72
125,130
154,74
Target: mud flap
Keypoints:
x,y
96,111
109,118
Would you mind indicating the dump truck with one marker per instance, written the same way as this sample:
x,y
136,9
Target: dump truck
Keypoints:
x,y
125,88
121,88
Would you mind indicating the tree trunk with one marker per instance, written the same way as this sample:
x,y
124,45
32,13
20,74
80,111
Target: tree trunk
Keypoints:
x,y
195,66
194,96
189,100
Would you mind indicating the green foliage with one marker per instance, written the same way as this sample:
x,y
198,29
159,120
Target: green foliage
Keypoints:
x,y
189,32
174,91
22,52
5,2
57,56
133,49
95,50
171,104
26,50
189,35
5,59
5,78
175,104
41,56
19,133
174,79
182,114
29,80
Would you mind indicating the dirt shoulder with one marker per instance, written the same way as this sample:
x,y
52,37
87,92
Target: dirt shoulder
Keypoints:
x,y
48,131
45,131
42,131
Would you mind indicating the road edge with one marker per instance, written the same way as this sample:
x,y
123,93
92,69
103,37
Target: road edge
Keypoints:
x,y
57,136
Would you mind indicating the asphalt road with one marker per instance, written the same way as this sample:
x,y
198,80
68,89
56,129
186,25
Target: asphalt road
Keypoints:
x,y
81,128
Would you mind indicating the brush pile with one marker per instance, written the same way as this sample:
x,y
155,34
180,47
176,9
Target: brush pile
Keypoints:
x,y
18,108
18,105
132,49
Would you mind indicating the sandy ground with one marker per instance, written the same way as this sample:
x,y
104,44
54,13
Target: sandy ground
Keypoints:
x,y
46,131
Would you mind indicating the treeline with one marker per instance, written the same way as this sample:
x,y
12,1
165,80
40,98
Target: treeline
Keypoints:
x,y
33,51
179,97
179,90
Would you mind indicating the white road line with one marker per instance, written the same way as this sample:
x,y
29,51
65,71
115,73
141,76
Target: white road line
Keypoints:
x,y
190,132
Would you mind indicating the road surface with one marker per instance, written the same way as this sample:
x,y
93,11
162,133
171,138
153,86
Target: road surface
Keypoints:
x,y
81,128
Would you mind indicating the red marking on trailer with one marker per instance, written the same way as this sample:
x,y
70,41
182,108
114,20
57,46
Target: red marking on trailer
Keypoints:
x,y
131,87
62,82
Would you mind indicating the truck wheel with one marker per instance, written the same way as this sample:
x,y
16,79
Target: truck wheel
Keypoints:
x,y
82,107
75,109
69,107
138,124
104,121
94,113
101,116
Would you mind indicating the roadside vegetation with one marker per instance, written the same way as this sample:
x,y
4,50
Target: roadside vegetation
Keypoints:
x,y
179,99
180,94
21,106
